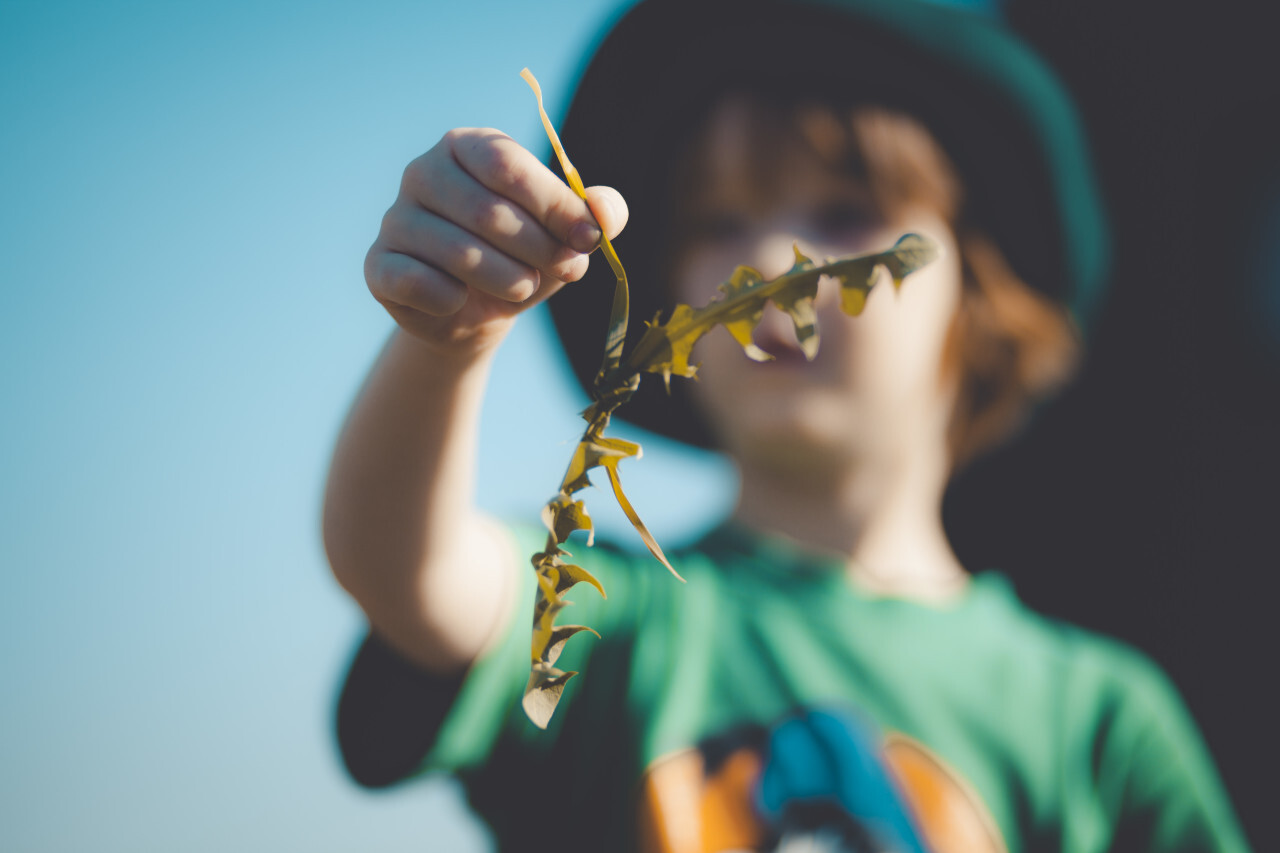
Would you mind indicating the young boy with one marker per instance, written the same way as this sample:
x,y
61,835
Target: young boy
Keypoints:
x,y
829,676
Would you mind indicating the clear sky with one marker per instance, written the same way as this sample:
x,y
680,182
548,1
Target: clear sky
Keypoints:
x,y
188,192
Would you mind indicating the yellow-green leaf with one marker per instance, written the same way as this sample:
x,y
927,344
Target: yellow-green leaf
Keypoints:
x,y
543,692
666,349
563,516
654,548
617,334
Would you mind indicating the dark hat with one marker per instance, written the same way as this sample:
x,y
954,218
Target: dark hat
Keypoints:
x,y
997,110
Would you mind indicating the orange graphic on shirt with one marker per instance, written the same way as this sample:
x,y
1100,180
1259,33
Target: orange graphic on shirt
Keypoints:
x,y
684,810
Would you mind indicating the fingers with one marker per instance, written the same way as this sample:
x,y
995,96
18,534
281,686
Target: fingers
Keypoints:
x,y
438,183
609,208
396,279
479,211
500,164
459,253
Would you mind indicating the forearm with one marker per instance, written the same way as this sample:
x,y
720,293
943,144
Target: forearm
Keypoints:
x,y
400,527
480,232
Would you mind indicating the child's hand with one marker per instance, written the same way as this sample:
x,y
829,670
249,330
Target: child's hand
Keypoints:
x,y
481,231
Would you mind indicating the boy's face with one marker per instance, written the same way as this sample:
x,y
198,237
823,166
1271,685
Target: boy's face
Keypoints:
x,y
875,389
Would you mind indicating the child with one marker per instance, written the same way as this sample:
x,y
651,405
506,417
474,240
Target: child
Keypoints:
x,y
830,676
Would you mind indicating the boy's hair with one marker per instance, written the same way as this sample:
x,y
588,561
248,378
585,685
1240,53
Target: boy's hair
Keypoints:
x,y
1005,123
1009,346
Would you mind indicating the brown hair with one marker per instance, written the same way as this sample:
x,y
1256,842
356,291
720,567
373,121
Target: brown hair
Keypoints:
x,y
1009,346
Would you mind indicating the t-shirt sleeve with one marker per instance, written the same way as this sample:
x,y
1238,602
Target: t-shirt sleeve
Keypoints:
x,y
389,713
488,706
1155,771
396,720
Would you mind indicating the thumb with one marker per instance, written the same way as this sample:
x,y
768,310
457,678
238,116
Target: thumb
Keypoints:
x,y
609,209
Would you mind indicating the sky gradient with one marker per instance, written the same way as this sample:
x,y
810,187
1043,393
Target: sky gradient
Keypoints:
x,y
190,190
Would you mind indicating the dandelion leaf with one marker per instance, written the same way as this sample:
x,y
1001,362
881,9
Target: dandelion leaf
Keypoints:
x,y
797,302
543,692
742,322
652,544
617,334
594,452
546,607
667,355
555,577
666,348
855,286
560,636
568,576
563,515
910,253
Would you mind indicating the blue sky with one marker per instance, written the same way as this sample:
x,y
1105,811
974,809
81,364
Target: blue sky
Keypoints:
x,y
189,192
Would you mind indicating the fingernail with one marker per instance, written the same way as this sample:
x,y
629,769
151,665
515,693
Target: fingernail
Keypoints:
x,y
584,237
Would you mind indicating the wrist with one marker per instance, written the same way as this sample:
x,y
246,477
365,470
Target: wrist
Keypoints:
x,y
456,354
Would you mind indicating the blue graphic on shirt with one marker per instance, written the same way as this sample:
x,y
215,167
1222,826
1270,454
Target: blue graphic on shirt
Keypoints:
x,y
823,777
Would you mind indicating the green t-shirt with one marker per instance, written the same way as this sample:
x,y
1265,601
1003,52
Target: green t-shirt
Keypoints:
x,y
1063,740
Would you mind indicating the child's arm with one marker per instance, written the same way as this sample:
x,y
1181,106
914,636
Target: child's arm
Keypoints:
x,y
481,230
